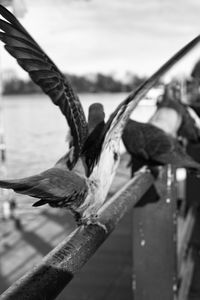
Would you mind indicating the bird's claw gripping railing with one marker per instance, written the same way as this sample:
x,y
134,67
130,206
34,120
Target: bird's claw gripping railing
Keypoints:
x,y
154,247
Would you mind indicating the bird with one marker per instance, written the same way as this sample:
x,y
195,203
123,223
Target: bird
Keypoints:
x,y
58,186
96,124
154,147
186,125
64,185
96,116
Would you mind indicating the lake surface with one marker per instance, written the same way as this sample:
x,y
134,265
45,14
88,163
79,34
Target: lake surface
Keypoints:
x,y
35,129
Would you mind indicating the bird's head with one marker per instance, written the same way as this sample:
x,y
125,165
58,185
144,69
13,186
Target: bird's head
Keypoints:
x,y
92,145
171,97
96,115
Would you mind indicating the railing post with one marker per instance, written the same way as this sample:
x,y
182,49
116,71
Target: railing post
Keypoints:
x,y
154,244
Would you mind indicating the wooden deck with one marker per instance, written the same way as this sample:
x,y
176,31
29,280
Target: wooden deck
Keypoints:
x,y
106,276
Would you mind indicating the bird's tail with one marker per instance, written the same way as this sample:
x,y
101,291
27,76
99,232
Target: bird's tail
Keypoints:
x,y
21,187
12,184
39,203
191,165
195,172
151,196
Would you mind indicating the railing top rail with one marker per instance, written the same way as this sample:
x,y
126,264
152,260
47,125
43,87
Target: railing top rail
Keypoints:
x,y
48,278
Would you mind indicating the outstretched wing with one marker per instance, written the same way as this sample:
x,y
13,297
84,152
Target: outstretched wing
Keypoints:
x,y
44,72
117,121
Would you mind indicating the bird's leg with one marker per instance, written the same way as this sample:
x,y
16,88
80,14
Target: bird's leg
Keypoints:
x,y
144,169
154,171
129,163
93,220
77,217
71,153
132,172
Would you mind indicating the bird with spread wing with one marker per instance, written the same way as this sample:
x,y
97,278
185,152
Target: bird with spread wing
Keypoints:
x,y
63,185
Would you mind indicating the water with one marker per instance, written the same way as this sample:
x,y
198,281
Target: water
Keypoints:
x,y
35,129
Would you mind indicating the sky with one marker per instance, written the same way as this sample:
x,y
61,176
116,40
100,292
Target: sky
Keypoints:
x,y
111,36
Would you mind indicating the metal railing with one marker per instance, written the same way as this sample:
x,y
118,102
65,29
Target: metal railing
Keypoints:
x,y
157,269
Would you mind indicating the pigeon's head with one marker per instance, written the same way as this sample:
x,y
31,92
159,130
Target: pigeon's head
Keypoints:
x,y
171,97
96,115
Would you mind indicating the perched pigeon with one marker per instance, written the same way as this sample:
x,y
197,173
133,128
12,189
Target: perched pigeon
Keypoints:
x,y
149,145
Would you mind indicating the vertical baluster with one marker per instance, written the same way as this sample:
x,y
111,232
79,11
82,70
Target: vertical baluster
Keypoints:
x,y
154,243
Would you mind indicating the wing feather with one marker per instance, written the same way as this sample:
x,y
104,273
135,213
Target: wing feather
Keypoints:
x,y
45,73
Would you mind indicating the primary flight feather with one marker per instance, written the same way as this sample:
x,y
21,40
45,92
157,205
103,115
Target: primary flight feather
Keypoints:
x,y
45,73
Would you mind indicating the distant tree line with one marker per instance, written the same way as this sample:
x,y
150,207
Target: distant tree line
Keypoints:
x,y
99,83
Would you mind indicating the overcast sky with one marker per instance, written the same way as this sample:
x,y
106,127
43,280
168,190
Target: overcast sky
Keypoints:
x,y
111,36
